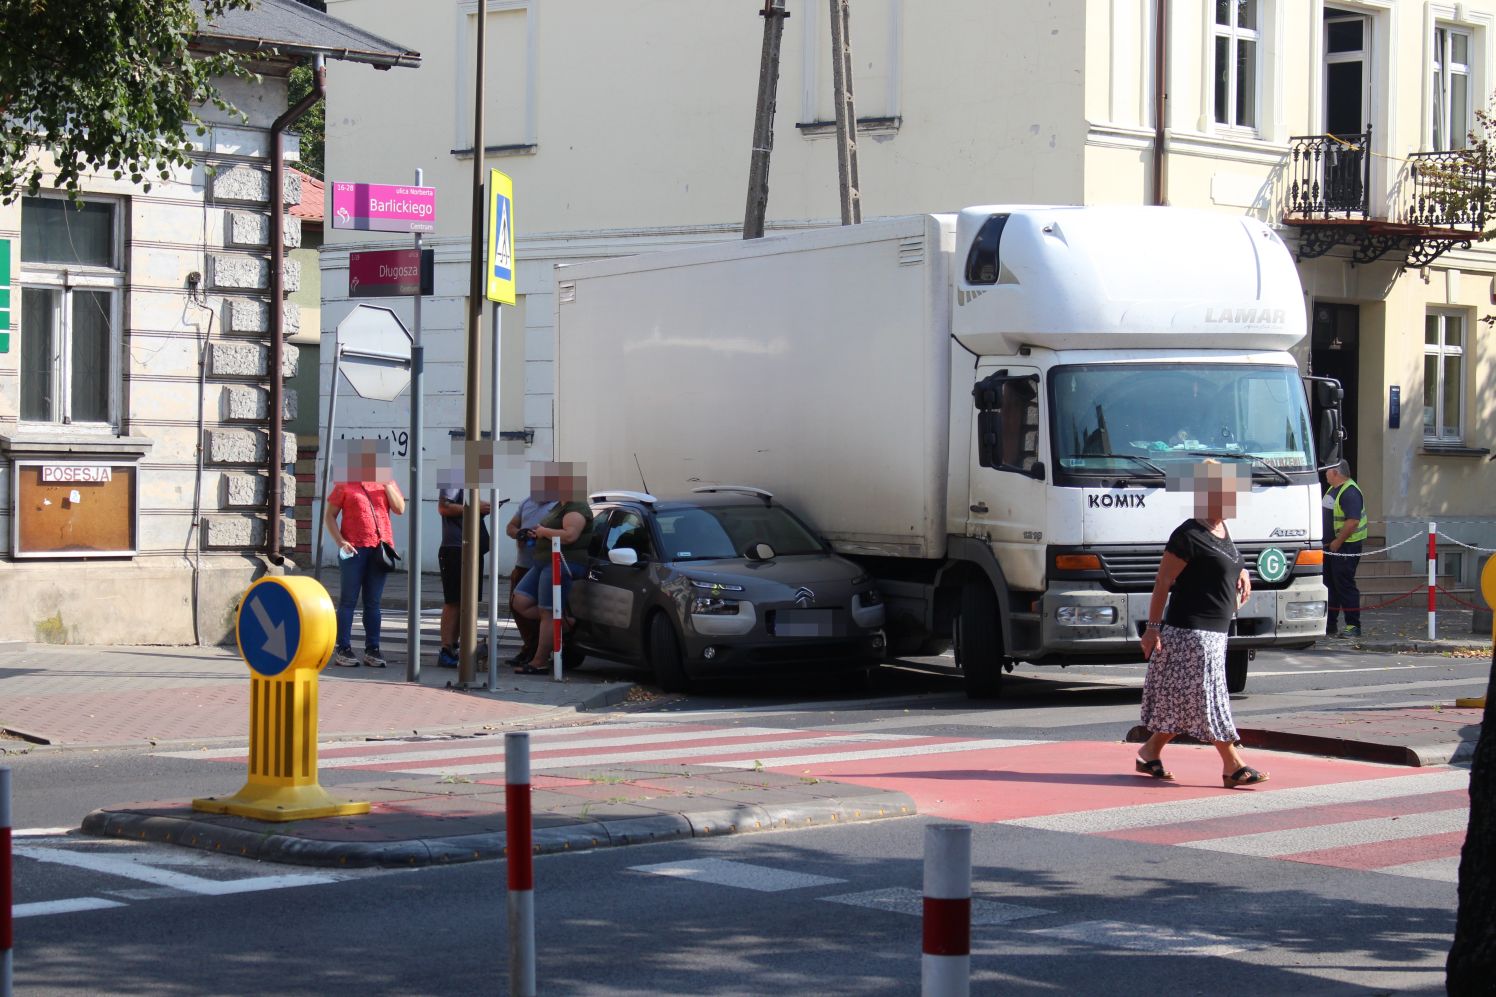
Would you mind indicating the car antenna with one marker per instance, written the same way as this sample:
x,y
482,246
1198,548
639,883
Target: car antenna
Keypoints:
x,y
641,473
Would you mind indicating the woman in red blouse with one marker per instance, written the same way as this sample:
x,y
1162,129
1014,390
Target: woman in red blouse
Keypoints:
x,y
363,502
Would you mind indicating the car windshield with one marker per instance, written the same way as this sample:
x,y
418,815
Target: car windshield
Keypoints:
x,y
706,532
1135,420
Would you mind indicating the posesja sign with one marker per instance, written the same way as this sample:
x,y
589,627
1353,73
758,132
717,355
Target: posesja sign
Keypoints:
x,y
382,207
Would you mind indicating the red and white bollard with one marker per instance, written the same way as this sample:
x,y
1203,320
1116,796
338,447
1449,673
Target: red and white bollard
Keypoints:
x,y
1433,576
7,897
519,851
945,967
556,613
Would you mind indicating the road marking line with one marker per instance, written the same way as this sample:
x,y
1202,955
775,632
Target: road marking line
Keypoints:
x,y
47,907
903,900
131,868
1445,870
1335,671
665,754
1341,835
1148,938
724,872
41,832
1236,803
872,753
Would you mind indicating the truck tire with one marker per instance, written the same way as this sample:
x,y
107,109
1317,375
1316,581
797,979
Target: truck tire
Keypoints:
x,y
665,654
979,644
1236,670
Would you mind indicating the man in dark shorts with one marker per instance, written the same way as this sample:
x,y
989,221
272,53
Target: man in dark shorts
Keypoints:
x,y
449,505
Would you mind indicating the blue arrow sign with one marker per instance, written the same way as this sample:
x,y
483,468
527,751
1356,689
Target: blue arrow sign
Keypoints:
x,y
269,629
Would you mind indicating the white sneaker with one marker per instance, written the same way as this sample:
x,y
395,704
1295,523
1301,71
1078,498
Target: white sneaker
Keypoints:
x,y
344,658
373,660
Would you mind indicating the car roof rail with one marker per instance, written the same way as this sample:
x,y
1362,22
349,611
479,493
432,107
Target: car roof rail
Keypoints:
x,y
767,496
623,496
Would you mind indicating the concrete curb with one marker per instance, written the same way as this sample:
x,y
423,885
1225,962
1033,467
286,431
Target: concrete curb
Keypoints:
x,y
1413,755
273,845
1415,646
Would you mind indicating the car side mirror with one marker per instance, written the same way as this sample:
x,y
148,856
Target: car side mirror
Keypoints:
x,y
625,557
759,552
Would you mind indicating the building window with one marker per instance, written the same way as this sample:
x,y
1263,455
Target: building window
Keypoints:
x,y
875,37
1443,377
1451,89
71,291
509,123
1236,59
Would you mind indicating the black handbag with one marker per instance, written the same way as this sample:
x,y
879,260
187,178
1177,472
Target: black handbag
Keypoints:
x,y
388,559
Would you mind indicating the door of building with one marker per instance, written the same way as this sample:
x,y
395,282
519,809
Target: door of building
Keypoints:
x,y
1335,351
1347,110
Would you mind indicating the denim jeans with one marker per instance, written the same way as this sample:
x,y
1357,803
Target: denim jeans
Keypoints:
x,y
362,573
537,582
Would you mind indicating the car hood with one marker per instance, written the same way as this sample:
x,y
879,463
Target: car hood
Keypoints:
x,y
806,569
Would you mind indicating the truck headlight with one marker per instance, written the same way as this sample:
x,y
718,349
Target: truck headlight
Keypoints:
x,y
703,606
1306,610
1086,616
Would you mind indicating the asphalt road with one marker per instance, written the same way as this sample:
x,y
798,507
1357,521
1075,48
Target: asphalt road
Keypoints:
x,y
825,911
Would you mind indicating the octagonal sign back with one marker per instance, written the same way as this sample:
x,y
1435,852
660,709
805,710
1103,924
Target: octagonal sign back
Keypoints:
x,y
375,349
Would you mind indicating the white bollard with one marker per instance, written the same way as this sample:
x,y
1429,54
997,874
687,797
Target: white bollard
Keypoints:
x,y
556,612
520,857
945,966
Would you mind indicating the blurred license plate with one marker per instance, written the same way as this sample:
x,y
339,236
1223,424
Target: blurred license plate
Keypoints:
x,y
803,623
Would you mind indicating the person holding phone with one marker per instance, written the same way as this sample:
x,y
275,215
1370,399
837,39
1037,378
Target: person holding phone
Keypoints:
x,y
1204,580
358,520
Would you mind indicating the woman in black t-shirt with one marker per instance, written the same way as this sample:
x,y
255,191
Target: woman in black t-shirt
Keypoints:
x,y
1204,580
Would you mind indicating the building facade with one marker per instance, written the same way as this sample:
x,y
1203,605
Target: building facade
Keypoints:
x,y
135,382
626,129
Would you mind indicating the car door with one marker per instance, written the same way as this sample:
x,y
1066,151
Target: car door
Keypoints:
x,y
619,593
1008,500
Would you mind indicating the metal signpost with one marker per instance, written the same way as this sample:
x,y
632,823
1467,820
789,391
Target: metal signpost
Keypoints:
x,y
286,631
417,428
373,351
499,287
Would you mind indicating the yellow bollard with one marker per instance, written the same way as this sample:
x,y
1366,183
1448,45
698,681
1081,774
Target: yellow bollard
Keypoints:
x,y
286,632
1487,589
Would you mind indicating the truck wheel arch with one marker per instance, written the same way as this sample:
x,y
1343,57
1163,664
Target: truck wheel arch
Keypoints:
x,y
967,559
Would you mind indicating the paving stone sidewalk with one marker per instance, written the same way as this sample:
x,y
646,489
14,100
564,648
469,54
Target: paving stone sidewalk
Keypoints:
x,y
435,821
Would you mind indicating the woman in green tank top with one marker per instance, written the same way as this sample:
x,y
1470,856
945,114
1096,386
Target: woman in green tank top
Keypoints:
x,y
569,523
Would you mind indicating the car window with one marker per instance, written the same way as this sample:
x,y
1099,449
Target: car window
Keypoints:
x,y
727,531
627,531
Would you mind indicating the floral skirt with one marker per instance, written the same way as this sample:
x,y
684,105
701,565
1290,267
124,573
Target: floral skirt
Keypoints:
x,y
1185,689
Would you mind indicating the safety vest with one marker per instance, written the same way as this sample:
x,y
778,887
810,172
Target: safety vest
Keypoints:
x,y
1364,529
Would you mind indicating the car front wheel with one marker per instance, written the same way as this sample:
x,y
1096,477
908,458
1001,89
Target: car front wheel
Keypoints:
x,y
665,654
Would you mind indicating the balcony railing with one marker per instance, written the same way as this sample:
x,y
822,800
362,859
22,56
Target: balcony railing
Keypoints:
x,y
1329,177
1445,190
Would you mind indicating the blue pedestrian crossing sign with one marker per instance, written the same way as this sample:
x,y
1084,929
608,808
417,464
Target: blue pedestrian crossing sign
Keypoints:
x,y
500,277
285,622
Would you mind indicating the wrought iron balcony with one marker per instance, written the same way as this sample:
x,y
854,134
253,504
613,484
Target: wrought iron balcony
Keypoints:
x,y
1329,177
1438,202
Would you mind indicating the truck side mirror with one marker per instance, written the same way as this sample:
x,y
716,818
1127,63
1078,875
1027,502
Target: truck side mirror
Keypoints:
x,y
1008,423
1328,397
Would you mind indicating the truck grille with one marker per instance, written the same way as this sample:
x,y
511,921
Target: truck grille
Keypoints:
x,y
1134,569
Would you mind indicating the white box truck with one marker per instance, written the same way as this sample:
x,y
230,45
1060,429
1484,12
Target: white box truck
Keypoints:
x,y
982,408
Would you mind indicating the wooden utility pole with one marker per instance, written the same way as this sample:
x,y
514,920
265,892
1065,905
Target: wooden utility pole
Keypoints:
x,y
763,120
846,114
471,520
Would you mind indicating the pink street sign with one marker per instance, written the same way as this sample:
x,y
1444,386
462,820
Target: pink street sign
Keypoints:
x,y
390,272
383,207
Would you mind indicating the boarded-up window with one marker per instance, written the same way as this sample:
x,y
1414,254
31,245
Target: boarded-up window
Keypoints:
x,y
508,113
874,39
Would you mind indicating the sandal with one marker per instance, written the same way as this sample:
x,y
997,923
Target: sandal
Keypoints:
x,y
1154,768
1244,776
531,670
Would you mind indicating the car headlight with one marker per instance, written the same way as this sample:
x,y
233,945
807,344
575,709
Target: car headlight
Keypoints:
x,y
708,606
872,597
1306,610
1086,616
697,583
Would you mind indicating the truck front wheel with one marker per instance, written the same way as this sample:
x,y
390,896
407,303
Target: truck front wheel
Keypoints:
x,y
979,641
1236,670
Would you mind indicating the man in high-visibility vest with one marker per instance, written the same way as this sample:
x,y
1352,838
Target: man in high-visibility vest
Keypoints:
x,y
1345,530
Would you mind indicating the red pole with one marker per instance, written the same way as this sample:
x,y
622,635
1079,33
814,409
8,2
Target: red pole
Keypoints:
x,y
519,846
1433,577
556,615
7,897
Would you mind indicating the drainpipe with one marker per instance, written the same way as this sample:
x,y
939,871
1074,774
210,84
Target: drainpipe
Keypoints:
x,y
278,300
1160,100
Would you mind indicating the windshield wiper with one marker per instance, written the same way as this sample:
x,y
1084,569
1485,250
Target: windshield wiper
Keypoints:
x,y
1285,479
1126,456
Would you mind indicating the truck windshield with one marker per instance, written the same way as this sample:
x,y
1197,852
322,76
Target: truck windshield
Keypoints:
x,y
1134,420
